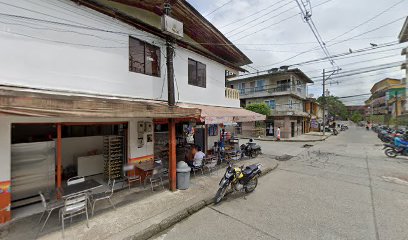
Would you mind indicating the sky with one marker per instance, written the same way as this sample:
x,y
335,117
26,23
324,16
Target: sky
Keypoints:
x,y
272,32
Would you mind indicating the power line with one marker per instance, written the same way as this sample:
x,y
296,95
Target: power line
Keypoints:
x,y
41,13
372,30
253,14
352,72
368,20
307,16
217,8
285,19
257,23
346,54
77,26
388,74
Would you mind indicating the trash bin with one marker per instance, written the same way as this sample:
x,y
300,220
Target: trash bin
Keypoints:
x,y
183,175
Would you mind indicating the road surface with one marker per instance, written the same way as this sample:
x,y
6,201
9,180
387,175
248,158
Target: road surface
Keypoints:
x,y
343,188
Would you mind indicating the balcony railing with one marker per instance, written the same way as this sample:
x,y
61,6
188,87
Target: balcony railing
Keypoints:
x,y
280,90
231,93
288,108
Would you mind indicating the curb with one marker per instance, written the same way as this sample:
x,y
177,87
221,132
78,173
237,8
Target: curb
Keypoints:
x,y
181,215
288,140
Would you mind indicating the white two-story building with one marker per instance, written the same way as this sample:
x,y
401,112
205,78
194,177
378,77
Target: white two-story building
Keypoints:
x,y
78,77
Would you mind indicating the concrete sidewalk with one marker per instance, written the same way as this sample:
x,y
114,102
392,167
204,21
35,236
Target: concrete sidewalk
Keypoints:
x,y
139,213
307,137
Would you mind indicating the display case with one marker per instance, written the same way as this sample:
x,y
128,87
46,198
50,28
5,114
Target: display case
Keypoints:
x,y
113,154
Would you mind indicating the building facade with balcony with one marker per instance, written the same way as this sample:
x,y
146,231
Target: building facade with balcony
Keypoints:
x,y
386,100
284,91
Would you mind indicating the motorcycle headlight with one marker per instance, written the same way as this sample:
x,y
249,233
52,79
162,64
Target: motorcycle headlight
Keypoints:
x,y
228,174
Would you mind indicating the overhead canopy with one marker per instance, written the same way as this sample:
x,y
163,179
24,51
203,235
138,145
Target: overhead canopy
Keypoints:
x,y
40,103
216,115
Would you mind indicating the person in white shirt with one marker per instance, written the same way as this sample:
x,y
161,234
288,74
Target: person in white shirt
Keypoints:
x,y
198,157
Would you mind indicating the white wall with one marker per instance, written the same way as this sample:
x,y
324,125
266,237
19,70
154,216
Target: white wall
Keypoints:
x,y
79,146
55,56
134,150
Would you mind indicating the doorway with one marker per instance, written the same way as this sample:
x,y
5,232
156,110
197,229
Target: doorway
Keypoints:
x,y
292,129
270,131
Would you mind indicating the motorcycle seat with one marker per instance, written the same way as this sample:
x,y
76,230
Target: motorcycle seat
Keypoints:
x,y
249,169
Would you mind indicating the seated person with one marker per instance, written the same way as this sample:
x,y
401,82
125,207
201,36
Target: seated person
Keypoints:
x,y
198,158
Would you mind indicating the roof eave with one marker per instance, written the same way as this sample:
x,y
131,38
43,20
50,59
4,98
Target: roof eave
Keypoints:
x,y
403,36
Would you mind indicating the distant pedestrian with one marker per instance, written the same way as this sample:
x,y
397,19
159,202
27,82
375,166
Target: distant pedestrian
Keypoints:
x,y
278,134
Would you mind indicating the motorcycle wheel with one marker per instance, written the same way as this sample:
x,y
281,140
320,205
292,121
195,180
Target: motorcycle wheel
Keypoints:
x,y
254,154
390,153
220,194
251,185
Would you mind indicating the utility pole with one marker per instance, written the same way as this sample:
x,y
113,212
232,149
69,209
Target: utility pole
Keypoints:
x,y
396,110
169,62
324,95
324,101
171,103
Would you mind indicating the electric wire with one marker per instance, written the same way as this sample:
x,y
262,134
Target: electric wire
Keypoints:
x,y
344,40
212,12
285,19
253,14
257,23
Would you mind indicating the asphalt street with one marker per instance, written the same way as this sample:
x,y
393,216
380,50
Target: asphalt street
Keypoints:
x,y
343,188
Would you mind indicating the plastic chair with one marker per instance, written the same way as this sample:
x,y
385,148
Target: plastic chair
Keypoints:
x,y
156,177
104,195
210,164
130,175
198,168
48,207
73,206
75,180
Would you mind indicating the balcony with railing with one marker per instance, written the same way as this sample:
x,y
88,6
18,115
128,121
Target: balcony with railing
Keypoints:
x,y
268,91
231,93
295,109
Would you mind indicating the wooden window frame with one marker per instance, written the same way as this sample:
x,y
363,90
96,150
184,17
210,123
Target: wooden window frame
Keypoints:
x,y
194,82
145,44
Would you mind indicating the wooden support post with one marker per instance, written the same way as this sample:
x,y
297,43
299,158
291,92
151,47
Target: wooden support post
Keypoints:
x,y
206,139
59,155
172,154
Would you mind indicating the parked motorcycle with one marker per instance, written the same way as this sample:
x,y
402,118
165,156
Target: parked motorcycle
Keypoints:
x,y
343,128
335,132
393,151
250,149
240,179
398,147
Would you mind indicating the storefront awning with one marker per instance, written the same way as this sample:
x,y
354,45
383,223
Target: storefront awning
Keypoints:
x,y
41,103
216,115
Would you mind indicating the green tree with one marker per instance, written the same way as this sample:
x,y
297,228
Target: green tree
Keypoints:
x,y
356,117
335,107
260,108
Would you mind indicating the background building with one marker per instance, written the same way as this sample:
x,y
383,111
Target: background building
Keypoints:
x,y
403,37
386,100
284,91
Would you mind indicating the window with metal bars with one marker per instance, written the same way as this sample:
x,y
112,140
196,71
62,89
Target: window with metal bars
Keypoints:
x,y
144,57
196,73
